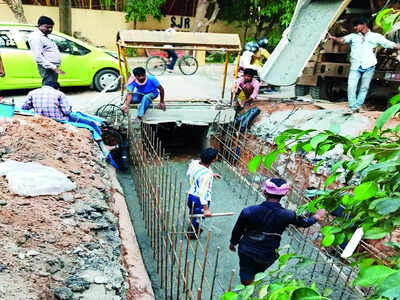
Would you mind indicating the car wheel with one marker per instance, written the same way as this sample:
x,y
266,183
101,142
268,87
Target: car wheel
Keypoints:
x,y
104,78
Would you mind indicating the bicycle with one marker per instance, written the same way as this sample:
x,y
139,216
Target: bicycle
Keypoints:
x,y
157,65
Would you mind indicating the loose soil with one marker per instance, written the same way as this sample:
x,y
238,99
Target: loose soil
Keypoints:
x,y
65,246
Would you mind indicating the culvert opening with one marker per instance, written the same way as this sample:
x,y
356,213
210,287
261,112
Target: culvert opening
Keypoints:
x,y
181,140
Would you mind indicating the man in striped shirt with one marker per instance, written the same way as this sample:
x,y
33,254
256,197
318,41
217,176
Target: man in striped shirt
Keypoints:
x,y
199,196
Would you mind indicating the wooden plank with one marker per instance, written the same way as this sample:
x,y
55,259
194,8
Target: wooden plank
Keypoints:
x,y
179,38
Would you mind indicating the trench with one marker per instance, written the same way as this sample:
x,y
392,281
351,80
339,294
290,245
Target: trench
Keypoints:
x,y
155,190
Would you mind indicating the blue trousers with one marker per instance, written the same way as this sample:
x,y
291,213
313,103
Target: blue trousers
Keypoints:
x,y
144,100
195,206
366,75
92,122
173,58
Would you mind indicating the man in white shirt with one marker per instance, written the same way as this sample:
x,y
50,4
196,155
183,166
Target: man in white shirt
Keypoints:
x,y
199,196
362,59
45,51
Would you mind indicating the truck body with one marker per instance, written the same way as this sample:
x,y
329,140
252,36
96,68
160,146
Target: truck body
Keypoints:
x,y
320,67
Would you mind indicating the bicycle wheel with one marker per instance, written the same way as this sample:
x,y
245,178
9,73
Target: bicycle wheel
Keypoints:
x,y
112,113
188,65
156,65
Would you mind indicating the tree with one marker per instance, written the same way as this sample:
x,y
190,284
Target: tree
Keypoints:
x,y
271,17
201,21
139,10
370,198
17,9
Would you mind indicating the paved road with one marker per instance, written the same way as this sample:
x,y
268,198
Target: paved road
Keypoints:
x,y
205,84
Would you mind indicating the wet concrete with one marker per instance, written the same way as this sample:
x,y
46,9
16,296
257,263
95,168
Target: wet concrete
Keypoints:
x,y
128,186
229,194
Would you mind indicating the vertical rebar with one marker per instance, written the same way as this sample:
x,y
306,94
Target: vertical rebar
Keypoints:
x,y
231,280
215,273
205,259
179,270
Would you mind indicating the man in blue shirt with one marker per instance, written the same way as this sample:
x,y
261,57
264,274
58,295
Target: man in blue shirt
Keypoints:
x,y
259,228
362,60
147,89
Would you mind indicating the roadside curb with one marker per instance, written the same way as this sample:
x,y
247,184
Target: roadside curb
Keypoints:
x,y
138,279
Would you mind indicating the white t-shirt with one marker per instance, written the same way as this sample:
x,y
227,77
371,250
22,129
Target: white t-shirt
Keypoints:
x,y
201,179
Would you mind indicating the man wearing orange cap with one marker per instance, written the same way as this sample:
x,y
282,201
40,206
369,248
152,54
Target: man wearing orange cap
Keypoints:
x,y
259,228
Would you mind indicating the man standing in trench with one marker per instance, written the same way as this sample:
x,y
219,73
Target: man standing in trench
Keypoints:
x,y
362,60
45,51
199,196
259,228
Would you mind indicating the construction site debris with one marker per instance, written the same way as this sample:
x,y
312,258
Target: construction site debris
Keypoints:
x,y
63,246
34,179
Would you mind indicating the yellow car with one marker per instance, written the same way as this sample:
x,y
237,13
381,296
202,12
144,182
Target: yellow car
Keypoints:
x,y
83,64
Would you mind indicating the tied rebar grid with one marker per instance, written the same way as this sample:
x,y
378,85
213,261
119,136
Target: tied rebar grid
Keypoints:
x,y
236,148
185,269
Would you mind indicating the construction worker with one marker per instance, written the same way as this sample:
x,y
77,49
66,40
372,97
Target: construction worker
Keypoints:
x,y
362,60
246,59
246,88
199,196
143,89
262,54
259,228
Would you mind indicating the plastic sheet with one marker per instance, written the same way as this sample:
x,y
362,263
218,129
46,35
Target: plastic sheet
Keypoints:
x,y
34,179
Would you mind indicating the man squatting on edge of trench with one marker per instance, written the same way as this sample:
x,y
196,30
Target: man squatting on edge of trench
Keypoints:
x,y
259,228
199,196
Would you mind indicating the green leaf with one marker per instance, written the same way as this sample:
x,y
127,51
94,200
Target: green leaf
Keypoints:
x,y
331,179
317,166
371,276
238,288
395,99
321,149
319,138
339,238
270,158
254,163
386,115
375,233
337,165
305,293
365,161
260,276
347,200
327,292
307,147
283,259
247,292
365,191
263,291
328,240
390,287
330,229
230,296
388,206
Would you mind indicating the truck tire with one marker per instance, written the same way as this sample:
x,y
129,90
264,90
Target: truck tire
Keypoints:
x,y
301,90
321,90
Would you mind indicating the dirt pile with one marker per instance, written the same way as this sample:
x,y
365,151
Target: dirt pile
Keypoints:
x,y
65,246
